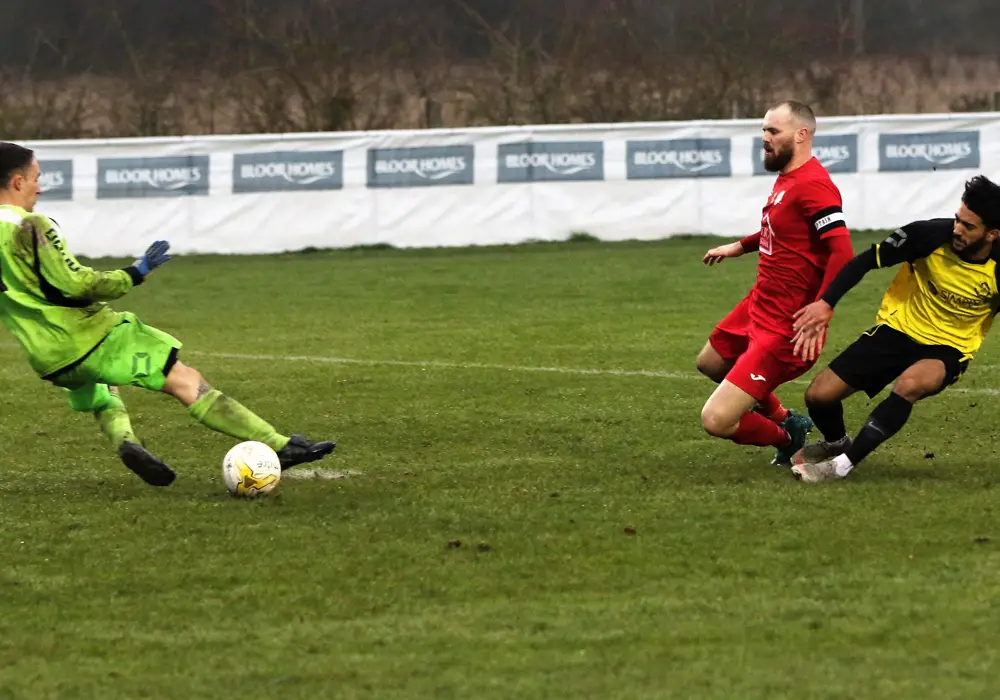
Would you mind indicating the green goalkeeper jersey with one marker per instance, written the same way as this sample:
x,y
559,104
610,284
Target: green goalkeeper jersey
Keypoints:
x,y
52,304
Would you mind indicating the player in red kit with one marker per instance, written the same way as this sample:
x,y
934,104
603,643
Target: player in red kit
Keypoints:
x,y
803,243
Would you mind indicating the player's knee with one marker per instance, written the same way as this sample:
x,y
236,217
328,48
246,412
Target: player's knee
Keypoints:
x,y
180,374
920,380
716,423
913,389
197,382
816,397
821,392
196,376
184,381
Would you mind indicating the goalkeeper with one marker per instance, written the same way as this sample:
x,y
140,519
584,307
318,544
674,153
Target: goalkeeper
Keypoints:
x,y
55,307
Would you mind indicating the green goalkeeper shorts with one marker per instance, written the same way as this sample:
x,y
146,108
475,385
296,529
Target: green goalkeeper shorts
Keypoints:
x,y
131,354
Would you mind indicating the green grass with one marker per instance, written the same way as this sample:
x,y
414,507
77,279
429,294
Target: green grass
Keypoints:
x,y
514,533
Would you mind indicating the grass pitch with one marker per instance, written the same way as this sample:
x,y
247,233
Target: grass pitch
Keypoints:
x,y
533,510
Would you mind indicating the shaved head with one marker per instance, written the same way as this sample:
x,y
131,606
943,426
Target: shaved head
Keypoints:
x,y
789,127
800,113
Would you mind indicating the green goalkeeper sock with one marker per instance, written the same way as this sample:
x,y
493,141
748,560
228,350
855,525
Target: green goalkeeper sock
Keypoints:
x,y
114,421
217,411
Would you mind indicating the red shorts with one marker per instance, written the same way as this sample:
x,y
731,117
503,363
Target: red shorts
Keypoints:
x,y
764,359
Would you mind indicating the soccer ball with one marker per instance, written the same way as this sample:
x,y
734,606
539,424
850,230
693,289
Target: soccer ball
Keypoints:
x,y
251,469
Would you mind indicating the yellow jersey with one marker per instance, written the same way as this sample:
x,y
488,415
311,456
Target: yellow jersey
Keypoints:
x,y
937,298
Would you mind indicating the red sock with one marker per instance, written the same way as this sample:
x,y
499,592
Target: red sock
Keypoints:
x,y
755,429
771,408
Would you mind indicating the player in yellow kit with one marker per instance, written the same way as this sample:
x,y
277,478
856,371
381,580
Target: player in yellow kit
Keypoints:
x,y
55,307
933,319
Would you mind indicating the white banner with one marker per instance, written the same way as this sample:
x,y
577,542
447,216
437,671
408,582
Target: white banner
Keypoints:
x,y
273,193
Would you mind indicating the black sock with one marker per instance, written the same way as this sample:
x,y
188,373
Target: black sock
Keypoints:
x,y
885,421
829,419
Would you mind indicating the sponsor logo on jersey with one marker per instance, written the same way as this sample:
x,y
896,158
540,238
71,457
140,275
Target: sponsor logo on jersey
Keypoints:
x,y
983,297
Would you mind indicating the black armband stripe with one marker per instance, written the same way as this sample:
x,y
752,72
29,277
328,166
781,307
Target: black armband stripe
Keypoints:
x,y
53,294
828,219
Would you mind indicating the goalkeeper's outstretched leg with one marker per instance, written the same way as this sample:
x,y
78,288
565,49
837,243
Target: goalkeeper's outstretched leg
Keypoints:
x,y
221,413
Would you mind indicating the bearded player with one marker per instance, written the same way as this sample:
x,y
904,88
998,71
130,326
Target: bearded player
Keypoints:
x,y
932,322
803,243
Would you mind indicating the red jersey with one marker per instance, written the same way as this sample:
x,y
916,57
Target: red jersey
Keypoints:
x,y
804,208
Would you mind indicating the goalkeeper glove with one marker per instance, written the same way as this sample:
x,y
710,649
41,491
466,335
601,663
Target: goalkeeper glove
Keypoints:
x,y
155,256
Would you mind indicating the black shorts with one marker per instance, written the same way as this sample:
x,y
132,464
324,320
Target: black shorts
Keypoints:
x,y
881,354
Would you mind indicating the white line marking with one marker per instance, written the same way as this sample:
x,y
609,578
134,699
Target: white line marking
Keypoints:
x,y
438,364
319,474
984,390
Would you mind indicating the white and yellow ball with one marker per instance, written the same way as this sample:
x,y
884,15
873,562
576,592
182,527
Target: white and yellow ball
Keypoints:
x,y
251,469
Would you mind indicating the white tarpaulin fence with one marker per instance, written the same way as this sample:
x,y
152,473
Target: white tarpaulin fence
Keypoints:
x,y
271,193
